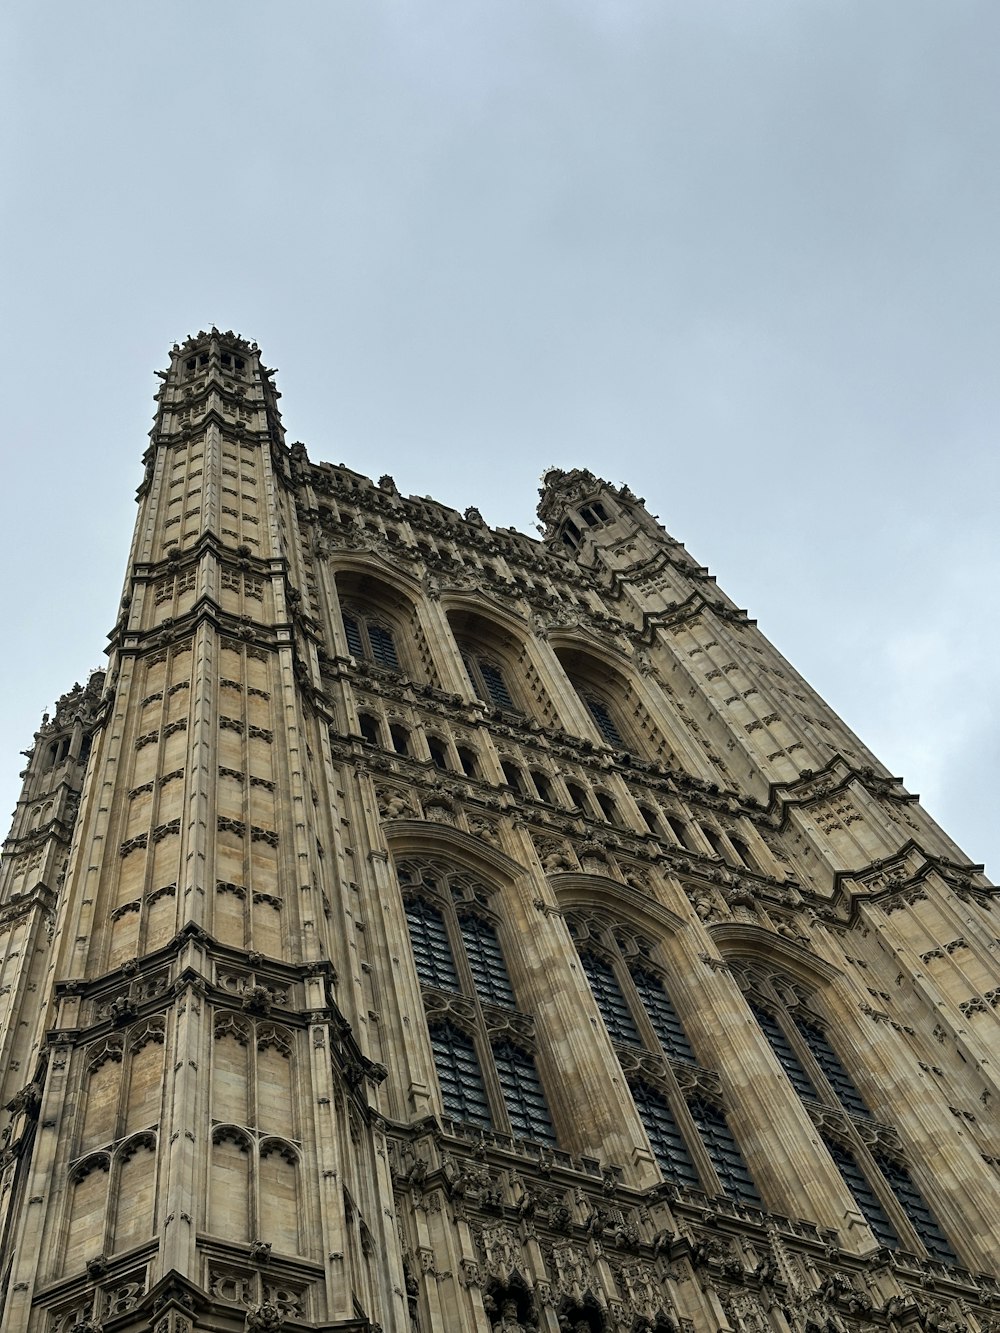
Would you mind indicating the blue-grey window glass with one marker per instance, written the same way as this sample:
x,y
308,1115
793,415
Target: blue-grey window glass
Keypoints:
x,y
916,1208
610,1000
354,641
431,950
383,647
782,1048
734,1176
486,962
459,1075
496,686
827,1059
662,1015
665,1138
605,722
864,1196
522,1094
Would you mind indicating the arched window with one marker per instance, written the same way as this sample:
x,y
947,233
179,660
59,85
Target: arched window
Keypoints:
x,y
488,680
369,728
400,739
431,949
542,786
438,751
522,1093
606,725
649,818
608,808
486,961
467,758
815,1071
514,777
637,1011
724,1151
456,948
369,638
578,796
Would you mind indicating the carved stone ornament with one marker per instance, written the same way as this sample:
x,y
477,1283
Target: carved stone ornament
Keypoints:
x,y
264,1318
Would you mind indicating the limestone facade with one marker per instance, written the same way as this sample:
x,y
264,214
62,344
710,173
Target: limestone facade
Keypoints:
x,y
427,928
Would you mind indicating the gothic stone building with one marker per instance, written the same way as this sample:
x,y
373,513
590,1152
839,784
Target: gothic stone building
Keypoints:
x,y
426,928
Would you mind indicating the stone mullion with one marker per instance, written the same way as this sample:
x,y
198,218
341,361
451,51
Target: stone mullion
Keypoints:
x,y
768,1120
572,1043
196,859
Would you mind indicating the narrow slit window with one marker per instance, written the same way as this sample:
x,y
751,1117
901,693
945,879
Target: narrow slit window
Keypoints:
x,y
828,1060
868,1202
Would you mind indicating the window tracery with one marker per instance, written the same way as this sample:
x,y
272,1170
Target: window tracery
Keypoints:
x,y
633,1000
369,637
482,1044
798,1037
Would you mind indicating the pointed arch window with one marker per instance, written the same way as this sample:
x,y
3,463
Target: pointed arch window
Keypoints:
x,y
486,961
488,681
815,1071
637,1011
485,1080
606,724
864,1195
662,1015
916,1208
611,1002
370,639
431,949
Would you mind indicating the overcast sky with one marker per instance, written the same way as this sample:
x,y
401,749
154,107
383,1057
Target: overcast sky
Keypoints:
x,y
741,254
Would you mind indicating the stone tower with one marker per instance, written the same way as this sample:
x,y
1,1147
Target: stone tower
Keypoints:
x,y
425,928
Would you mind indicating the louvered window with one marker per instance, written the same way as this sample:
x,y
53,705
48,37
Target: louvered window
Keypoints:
x,y
734,1176
383,647
827,1059
522,1094
486,962
488,681
915,1207
665,1138
355,643
782,1048
610,1000
459,1075
662,1015
864,1196
605,722
431,950
370,641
